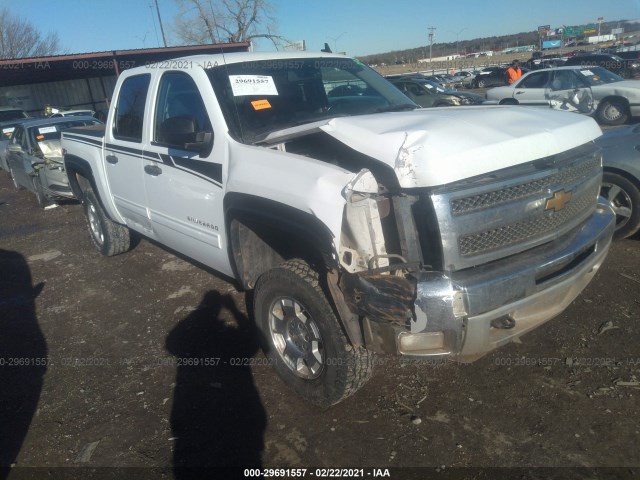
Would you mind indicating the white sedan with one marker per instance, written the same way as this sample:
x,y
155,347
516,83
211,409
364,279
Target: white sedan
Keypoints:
x,y
584,89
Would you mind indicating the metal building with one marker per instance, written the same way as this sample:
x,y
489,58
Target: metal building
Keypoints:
x,y
85,80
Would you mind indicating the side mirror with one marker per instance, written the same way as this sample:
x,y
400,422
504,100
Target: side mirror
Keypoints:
x,y
202,144
180,132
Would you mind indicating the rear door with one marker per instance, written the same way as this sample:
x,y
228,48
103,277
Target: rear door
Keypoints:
x,y
183,178
123,153
531,89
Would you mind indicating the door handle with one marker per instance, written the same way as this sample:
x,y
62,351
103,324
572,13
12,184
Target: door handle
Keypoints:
x,y
519,92
112,159
153,170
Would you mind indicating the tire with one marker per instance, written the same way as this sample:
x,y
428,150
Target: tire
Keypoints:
x,y
481,83
624,197
43,200
508,101
613,112
109,237
302,337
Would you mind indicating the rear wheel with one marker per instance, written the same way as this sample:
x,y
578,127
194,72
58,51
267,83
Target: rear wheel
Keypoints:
x,y
109,237
508,101
303,338
481,83
613,112
624,197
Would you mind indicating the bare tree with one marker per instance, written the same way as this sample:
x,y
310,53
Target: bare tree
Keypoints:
x,y
215,21
20,39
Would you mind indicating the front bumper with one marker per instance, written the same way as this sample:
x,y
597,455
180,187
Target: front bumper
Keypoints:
x,y
474,311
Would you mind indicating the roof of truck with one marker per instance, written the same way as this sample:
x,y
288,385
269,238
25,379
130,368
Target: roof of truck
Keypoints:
x,y
211,60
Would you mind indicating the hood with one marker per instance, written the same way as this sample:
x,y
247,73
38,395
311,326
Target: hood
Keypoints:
x,y
439,146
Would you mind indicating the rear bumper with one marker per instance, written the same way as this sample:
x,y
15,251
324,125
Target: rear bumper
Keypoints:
x,y
464,316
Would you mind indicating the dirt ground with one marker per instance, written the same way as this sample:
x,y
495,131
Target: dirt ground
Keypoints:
x,y
117,390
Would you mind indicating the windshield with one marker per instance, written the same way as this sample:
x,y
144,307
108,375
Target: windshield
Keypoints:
x,y
261,97
431,86
599,76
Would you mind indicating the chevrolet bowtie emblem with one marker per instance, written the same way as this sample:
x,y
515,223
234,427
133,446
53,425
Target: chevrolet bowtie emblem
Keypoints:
x,y
558,201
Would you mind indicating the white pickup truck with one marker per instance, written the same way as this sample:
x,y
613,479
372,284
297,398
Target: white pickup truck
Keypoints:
x,y
361,222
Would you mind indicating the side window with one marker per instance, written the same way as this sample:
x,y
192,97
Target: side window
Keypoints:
x,y
180,111
565,80
415,89
535,80
130,108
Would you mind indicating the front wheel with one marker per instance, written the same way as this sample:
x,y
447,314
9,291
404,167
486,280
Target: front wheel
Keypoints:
x,y
613,112
481,83
624,197
109,237
303,339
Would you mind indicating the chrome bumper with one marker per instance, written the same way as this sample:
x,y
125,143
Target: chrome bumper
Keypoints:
x,y
454,315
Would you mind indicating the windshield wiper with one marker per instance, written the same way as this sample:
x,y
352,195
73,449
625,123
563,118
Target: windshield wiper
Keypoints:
x,y
397,108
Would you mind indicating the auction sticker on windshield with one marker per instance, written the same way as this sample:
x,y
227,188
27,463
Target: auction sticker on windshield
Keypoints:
x,y
586,73
47,130
252,85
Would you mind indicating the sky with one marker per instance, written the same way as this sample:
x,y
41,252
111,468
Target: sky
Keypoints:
x,y
357,27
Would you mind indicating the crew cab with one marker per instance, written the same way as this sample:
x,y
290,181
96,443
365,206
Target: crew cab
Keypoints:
x,y
362,223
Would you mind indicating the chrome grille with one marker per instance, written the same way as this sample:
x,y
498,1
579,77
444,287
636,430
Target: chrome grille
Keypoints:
x,y
461,206
547,222
503,213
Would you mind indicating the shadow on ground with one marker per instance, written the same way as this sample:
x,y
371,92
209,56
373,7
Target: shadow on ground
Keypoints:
x,y
217,416
23,356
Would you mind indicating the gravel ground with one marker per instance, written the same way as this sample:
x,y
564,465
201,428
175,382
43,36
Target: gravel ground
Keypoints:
x,y
117,389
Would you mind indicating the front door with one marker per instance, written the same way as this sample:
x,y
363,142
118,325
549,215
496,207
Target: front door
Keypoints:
x,y
568,92
182,178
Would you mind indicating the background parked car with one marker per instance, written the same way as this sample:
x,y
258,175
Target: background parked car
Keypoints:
x,y
6,130
464,78
34,156
621,180
614,99
428,94
489,77
73,113
613,63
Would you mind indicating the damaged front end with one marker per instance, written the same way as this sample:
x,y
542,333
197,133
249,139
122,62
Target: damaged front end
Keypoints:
x,y
403,307
463,268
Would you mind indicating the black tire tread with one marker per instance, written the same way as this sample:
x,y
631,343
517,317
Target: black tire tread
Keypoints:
x,y
117,238
359,360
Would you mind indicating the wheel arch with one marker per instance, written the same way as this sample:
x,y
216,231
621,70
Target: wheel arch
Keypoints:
x,y
509,101
77,167
623,173
263,233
